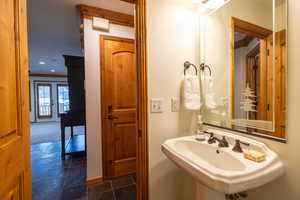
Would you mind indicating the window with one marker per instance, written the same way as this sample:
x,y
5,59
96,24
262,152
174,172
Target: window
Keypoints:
x,y
62,98
44,96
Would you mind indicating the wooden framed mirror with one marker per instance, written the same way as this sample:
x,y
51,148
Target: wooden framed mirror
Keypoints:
x,y
245,44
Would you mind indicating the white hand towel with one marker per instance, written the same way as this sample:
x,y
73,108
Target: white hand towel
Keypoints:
x,y
191,92
209,95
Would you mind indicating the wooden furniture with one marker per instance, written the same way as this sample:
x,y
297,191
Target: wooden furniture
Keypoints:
x,y
76,115
15,172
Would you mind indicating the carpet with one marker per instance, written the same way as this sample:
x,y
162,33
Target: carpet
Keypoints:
x,y
43,132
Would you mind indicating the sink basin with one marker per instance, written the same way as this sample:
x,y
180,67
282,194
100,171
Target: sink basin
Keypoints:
x,y
221,160
221,169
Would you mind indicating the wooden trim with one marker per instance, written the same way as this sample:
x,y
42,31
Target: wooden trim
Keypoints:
x,y
250,29
45,81
142,99
129,1
49,75
22,74
34,101
29,96
114,17
253,52
243,42
57,96
231,70
37,105
94,181
114,38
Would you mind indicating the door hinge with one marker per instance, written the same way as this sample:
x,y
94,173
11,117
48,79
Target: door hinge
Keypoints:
x,y
268,52
268,107
140,133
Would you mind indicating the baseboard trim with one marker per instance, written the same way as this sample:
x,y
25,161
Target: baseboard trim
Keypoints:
x,y
94,181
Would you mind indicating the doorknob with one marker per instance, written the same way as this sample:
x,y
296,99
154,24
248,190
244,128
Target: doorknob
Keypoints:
x,y
111,117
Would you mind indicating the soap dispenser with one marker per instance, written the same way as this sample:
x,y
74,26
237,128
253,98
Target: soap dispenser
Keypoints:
x,y
200,136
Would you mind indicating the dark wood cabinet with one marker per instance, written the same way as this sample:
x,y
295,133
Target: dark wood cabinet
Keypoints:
x,y
76,115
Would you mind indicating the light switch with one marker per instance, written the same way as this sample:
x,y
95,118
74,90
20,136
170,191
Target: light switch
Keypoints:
x,y
156,105
175,104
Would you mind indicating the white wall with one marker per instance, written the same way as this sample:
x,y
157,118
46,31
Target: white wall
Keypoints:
x,y
92,86
172,40
280,19
53,81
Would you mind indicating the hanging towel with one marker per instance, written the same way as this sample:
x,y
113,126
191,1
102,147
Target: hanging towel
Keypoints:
x,y
209,95
191,92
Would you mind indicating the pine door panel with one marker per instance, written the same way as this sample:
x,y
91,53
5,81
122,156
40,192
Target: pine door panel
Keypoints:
x,y
15,183
118,73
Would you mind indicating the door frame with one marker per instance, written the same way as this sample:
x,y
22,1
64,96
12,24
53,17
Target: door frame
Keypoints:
x,y
38,103
104,134
142,156
250,29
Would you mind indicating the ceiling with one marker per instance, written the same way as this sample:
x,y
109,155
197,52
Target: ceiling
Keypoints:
x,y
53,27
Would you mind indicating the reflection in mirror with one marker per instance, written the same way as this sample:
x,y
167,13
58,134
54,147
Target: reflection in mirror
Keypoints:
x,y
245,45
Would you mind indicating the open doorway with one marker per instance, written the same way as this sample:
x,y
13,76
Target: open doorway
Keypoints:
x,y
68,127
49,173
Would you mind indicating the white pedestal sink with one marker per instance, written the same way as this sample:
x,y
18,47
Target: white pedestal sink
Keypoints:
x,y
220,171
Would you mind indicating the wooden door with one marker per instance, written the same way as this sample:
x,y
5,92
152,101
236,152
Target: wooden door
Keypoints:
x,y
118,97
15,183
44,100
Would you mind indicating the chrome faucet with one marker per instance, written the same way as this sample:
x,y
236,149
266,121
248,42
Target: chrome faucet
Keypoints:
x,y
237,147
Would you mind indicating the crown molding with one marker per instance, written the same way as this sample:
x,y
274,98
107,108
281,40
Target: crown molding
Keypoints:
x,y
114,17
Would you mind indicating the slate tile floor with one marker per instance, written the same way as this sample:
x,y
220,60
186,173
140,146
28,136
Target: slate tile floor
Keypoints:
x,y
55,179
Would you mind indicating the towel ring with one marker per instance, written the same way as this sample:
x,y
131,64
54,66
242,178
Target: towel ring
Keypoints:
x,y
203,66
187,65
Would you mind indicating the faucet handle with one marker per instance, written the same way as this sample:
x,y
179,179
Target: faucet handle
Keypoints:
x,y
237,147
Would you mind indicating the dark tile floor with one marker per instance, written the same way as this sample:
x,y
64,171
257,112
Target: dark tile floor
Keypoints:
x,y
55,179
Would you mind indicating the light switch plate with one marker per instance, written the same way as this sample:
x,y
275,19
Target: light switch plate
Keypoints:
x,y
175,104
156,105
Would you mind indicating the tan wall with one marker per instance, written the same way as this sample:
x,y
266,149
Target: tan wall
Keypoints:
x,y
171,41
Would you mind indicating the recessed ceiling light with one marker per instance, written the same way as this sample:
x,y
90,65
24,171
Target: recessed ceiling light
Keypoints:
x,y
42,63
52,70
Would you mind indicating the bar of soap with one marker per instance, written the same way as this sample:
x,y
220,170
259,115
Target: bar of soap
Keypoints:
x,y
255,156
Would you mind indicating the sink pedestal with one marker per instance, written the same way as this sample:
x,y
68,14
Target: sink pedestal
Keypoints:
x,y
205,193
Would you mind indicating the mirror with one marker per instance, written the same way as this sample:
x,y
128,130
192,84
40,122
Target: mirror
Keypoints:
x,y
244,42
